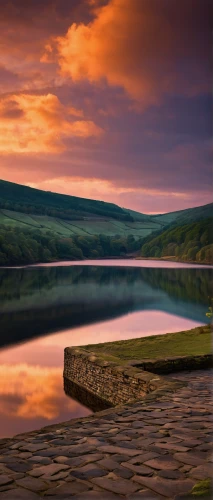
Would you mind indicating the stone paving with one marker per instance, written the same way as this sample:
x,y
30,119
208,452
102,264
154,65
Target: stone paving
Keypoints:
x,y
153,449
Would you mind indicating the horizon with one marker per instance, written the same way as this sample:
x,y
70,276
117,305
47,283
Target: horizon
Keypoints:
x,y
125,208
108,100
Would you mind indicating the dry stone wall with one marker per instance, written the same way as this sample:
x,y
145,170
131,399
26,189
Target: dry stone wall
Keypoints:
x,y
114,384
175,364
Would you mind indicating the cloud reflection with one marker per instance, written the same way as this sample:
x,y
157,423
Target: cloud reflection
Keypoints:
x,y
30,392
31,383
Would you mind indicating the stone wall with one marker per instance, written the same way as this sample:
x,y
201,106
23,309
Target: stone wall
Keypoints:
x,y
86,398
175,364
114,384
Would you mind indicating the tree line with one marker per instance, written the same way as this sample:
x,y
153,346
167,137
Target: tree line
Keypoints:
x,y
66,214
26,246
191,242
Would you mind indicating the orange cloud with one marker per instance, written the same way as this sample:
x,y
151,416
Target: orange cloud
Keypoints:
x,y
40,123
136,45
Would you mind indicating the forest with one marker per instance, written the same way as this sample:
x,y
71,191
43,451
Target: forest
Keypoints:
x,y
24,246
190,242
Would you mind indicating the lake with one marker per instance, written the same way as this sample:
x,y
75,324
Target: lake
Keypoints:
x,y
46,308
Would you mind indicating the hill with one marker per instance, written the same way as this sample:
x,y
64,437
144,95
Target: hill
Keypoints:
x,y
188,242
63,215
40,226
185,216
29,200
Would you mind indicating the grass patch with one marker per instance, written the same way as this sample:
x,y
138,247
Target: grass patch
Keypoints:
x,y
187,343
67,228
202,489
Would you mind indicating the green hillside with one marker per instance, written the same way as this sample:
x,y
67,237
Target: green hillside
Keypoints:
x,y
29,208
195,214
66,227
25,199
25,207
185,216
187,242
42,226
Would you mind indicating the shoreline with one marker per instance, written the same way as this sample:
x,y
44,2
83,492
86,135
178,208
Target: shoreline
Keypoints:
x,y
167,259
114,461
124,371
118,258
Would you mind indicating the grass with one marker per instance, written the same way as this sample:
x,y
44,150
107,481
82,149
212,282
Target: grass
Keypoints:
x,y
109,227
187,343
202,489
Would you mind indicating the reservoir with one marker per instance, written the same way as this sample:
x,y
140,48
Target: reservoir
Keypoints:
x,y
48,307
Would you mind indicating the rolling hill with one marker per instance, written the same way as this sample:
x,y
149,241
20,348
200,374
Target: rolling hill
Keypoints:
x,y
40,226
63,215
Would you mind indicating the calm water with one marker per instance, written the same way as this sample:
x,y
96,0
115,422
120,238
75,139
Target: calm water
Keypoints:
x,y
46,308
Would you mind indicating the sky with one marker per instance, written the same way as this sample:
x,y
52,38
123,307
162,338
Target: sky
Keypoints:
x,y
108,99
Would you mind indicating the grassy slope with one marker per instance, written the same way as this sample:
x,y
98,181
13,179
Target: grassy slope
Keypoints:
x,y
139,217
191,342
186,216
92,224
19,194
95,217
67,228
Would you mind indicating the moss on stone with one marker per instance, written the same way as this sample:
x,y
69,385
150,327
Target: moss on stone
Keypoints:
x,y
202,489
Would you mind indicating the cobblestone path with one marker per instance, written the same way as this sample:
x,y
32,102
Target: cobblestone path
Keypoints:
x,y
154,449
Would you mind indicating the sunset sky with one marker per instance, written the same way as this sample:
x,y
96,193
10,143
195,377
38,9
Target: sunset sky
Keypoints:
x,y
108,99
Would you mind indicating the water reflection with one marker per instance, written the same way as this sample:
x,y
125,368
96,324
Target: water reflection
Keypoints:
x,y
75,391
43,310
30,392
123,263
31,374
40,300
33,397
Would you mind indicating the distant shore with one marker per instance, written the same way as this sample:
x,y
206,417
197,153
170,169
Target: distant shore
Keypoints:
x,y
172,259
118,258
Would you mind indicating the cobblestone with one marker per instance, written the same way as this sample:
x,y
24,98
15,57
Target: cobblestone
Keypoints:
x,y
154,449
